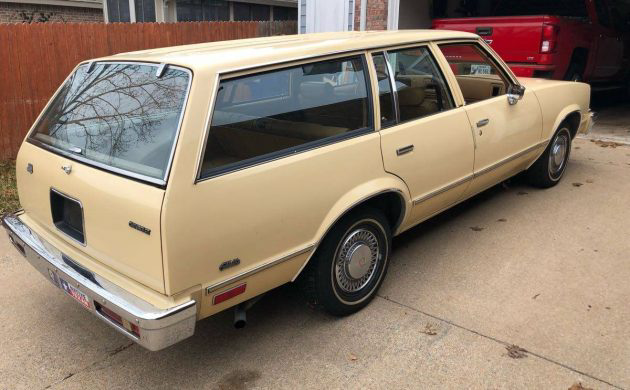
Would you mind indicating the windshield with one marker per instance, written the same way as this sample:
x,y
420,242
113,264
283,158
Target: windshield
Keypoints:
x,y
122,116
575,8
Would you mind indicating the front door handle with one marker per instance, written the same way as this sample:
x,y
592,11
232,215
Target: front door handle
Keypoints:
x,y
483,122
404,150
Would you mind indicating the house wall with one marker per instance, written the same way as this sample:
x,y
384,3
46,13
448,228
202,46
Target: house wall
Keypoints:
x,y
31,13
414,14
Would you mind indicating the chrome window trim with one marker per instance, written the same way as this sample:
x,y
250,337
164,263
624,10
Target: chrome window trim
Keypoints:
x,y
120,171
392,84
311,145
84,243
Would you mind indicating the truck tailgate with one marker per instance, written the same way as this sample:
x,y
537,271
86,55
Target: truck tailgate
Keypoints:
x,y
515,39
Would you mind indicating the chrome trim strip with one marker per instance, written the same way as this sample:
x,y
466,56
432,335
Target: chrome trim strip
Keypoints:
x,y
443,189
159,328
120,171
477,174
256,269
509,159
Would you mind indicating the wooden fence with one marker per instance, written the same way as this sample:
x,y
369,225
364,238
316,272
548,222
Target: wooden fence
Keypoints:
x,y
36,58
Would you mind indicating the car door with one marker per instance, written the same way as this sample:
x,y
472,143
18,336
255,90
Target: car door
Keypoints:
x,y
425,139
506,136
609,52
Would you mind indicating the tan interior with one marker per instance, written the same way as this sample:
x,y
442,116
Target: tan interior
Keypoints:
x,y
480,87
419,98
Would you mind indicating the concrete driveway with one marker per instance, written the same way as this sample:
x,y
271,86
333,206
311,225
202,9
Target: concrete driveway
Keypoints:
x,y
547,271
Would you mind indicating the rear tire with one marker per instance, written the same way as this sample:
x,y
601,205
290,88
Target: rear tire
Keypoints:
x,y
350,264
548,170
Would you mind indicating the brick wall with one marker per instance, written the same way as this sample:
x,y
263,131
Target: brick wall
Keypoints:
x,y
30,13
376,18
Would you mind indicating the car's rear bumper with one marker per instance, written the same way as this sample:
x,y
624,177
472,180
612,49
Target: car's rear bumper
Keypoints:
x,y
151,327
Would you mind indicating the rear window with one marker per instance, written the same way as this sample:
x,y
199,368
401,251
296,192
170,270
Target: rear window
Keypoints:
x,y
575,8
118,116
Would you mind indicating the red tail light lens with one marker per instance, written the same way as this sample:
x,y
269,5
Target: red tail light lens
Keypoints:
x,y
229,294
549,38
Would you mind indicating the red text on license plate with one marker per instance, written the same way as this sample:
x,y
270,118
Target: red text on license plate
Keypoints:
x,y
75,293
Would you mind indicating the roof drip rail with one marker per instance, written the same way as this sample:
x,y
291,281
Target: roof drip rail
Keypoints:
x,y
160,70
91,65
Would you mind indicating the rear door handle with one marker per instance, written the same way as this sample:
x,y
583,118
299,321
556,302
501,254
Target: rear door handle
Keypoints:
x,y
404,150
483,122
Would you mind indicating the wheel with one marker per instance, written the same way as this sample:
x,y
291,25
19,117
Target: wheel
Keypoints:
x,y
351,262
574,73
550,166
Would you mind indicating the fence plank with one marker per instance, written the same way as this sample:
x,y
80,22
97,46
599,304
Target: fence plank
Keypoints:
x,y
36,58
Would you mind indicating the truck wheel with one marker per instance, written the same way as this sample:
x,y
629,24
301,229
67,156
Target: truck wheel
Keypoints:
x,y
550,166
574,73
351,262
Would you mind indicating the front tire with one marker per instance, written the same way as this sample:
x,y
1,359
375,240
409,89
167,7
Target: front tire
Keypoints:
x,y
351,263
551,165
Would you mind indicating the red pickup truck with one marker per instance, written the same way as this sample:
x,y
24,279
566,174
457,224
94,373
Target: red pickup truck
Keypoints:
x,y
582,40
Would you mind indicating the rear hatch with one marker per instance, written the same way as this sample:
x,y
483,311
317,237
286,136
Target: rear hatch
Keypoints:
x,y
515,39
94,167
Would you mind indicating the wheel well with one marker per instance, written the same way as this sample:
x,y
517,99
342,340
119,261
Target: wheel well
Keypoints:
x,y
573,120
390,203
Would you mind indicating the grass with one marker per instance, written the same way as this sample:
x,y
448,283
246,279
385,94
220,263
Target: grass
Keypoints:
x,y
8,191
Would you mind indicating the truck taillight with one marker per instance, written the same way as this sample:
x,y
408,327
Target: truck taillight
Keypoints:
x,y
549,38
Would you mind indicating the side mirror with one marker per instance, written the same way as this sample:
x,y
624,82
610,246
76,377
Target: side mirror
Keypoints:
x,y
515,93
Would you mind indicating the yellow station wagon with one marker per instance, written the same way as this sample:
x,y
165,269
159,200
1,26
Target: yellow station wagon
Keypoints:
x,y
163,186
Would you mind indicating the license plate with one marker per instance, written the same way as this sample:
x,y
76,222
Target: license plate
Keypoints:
x,y
75,293
480,69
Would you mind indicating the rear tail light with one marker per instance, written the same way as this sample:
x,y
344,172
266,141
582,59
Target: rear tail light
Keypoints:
x,y
229,294
549,38
110,315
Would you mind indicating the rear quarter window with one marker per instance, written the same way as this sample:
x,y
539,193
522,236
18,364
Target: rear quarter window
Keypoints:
x,y
269,115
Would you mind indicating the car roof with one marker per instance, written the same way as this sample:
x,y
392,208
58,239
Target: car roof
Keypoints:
x,y
225,56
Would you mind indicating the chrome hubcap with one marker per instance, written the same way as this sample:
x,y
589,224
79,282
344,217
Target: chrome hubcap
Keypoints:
x,y
557,154
356,261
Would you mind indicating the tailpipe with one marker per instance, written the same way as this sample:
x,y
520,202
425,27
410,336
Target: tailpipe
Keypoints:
x,y
240,311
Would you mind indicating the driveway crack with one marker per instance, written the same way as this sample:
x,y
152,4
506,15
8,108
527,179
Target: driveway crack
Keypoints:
x,y
496,340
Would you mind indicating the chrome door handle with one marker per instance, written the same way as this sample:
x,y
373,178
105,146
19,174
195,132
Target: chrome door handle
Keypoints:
x,y
483,122
404,150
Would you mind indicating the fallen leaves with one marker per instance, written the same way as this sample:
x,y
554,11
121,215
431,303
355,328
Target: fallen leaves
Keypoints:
x,y
516,352
352,357
476,228
606,144
430,329
501,220
578,184
578,386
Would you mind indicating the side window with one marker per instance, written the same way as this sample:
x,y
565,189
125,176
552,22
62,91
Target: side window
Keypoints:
x,y
420,87
478,76
273,114
385,97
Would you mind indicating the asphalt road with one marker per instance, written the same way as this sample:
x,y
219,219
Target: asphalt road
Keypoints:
x,y
545,270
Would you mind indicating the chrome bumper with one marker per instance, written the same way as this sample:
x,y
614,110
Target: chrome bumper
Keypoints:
x,y
590,122
142,322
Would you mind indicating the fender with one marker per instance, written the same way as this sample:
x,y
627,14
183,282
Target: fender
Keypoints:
x,y
357,196
564,113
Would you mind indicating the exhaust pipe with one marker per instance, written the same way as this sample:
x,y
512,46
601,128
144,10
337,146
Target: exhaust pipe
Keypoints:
x,y
240,311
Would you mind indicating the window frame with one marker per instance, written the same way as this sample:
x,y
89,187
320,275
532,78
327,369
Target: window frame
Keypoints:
x,y
392,80
485,49
280,154
160,183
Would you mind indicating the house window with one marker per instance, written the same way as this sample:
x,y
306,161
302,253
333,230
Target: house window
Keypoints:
x,y
284,13
247,12
118,11
145,10
198,10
